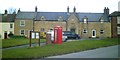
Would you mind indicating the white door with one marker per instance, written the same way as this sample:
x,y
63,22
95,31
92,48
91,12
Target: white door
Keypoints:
x,y
93,33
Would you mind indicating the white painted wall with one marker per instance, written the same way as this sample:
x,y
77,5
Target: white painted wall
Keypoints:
x,y
118,19
5,26
118,22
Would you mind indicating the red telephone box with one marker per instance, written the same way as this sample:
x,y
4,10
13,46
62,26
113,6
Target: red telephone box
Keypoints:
x,y
57,35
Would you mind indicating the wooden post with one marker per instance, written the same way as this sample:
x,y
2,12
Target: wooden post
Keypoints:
x,y
39,39
30,39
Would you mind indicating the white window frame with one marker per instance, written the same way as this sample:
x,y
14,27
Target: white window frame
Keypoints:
x,y
22,23
84,30
101,20
60,19
42,18
118,30
101,32
11,26
85,20
92,33
118,20
21,30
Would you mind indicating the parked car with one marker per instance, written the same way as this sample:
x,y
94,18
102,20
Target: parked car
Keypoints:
x,y
64,37
71,35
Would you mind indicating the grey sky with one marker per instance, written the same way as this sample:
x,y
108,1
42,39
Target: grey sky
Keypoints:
x,y
60,5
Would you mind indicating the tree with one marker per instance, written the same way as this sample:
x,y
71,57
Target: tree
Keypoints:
x,y
11,10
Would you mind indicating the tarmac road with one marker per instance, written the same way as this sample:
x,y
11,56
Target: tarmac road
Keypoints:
x,y
105,52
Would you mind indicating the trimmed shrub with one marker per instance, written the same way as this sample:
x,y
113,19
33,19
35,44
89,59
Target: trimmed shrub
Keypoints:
x,y
10,34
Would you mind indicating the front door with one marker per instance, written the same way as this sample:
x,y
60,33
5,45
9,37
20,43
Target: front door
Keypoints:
x,y
94,33
5,35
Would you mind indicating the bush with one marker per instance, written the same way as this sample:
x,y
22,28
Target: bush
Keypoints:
x,y
18,37
0,36
10,34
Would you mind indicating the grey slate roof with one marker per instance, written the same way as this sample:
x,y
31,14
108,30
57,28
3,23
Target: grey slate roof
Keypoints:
x,y
7,18
25,15
52,15
92,17
116,13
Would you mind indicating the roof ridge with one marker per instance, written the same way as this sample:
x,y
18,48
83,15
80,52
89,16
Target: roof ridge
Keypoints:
x,y
90,12
26,12
52,12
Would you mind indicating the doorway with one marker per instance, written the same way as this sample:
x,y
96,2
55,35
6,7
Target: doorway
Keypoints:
x,y
5,35
93,33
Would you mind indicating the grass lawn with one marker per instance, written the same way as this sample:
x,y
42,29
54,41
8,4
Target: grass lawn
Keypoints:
x,y
17,42
54,49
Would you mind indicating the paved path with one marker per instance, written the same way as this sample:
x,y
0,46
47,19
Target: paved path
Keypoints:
x,y
27,45
106,52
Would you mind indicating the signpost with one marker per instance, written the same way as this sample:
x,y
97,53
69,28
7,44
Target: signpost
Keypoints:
x,y
34,35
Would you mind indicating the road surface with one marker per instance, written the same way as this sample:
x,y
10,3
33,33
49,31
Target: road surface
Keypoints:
x,y
105,52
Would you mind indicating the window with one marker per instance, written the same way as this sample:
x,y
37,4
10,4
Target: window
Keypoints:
x,y
84,31
42,18
85,20
22,23
42,29
118,20
73,25
72,20
11,25
102,20
22,32
118,30
101,31
60,19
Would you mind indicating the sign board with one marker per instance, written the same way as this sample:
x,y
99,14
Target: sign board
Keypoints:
x,y
37,36
34,35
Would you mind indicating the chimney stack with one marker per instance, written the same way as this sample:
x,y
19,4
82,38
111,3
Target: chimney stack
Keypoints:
x,y
5,11
74,10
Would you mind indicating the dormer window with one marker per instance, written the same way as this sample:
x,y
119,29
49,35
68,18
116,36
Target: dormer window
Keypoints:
x,y
85,19
42,18
101,20
60,18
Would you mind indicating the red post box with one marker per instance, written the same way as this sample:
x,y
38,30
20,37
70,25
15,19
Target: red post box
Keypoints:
x,y
57,35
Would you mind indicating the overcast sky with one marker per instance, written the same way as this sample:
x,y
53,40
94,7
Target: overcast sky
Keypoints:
x,y
60,5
